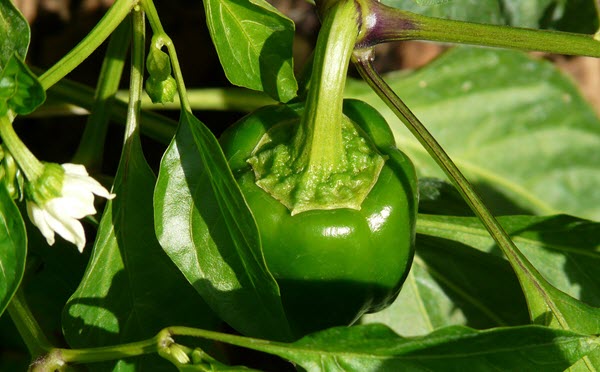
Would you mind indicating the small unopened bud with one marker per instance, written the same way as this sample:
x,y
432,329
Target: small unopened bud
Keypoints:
x,y
161,91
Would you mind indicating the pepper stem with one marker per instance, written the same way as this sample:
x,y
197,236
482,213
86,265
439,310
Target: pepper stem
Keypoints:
x,y
319,137
29,164
328,162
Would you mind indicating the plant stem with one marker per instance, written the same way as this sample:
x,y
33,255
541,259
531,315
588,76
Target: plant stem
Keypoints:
x,y
36,341
155,126
319,135
100,354
91,147
384,24
529,277
28,163
162,39
111,20
213,99
137,77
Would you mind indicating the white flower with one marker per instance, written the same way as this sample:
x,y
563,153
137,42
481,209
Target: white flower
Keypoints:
x,y
59,198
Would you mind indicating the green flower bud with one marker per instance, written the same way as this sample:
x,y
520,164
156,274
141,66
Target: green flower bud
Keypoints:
x,y
161,91
158,64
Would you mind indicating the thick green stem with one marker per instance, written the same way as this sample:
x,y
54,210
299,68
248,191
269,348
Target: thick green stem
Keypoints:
x,y
111,20
319,137
28,327
91,147
384,24
527,273
137,77
29,164
100,354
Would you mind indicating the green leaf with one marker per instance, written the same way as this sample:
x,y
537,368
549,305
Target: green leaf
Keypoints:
x,y
565,15
375,347
205,226
59,267
131,288
13,248
547,304
565,249
440,197
452,283
483,11
513,124
254,44
20,89
15,32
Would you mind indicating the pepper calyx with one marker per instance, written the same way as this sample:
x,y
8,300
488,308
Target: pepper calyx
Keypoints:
x,y
277,172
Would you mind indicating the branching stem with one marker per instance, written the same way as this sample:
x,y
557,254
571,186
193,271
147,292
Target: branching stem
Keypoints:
x,y
382,23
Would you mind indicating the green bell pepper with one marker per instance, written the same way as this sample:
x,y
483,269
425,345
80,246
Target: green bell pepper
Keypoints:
x,y
332,265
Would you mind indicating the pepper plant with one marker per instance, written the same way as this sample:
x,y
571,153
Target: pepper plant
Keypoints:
x,y
333,227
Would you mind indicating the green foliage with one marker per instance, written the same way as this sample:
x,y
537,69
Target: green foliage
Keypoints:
x,y
254,43
376,348
518,126
456,255
130,288
13,248
20,91
183,249
15,33
566,15
204,225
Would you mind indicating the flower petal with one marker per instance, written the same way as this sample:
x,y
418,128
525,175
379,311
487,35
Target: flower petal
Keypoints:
x,y
61,210
37,216
74,169
69,228
87,183
71,207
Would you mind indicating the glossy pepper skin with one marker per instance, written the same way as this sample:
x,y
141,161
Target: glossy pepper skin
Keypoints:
x,y
332,266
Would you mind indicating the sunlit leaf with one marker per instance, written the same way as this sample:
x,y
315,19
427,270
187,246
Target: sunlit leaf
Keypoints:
x,y
517,128
375,347
254,43
131,289
15,32
205,226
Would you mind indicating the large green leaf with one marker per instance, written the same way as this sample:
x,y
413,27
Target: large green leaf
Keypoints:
x,y
15,32
375,347
131,289
484,11
514,125
566,15
450,283
565,249
254,44
453,284
205,226
551,306
13,248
